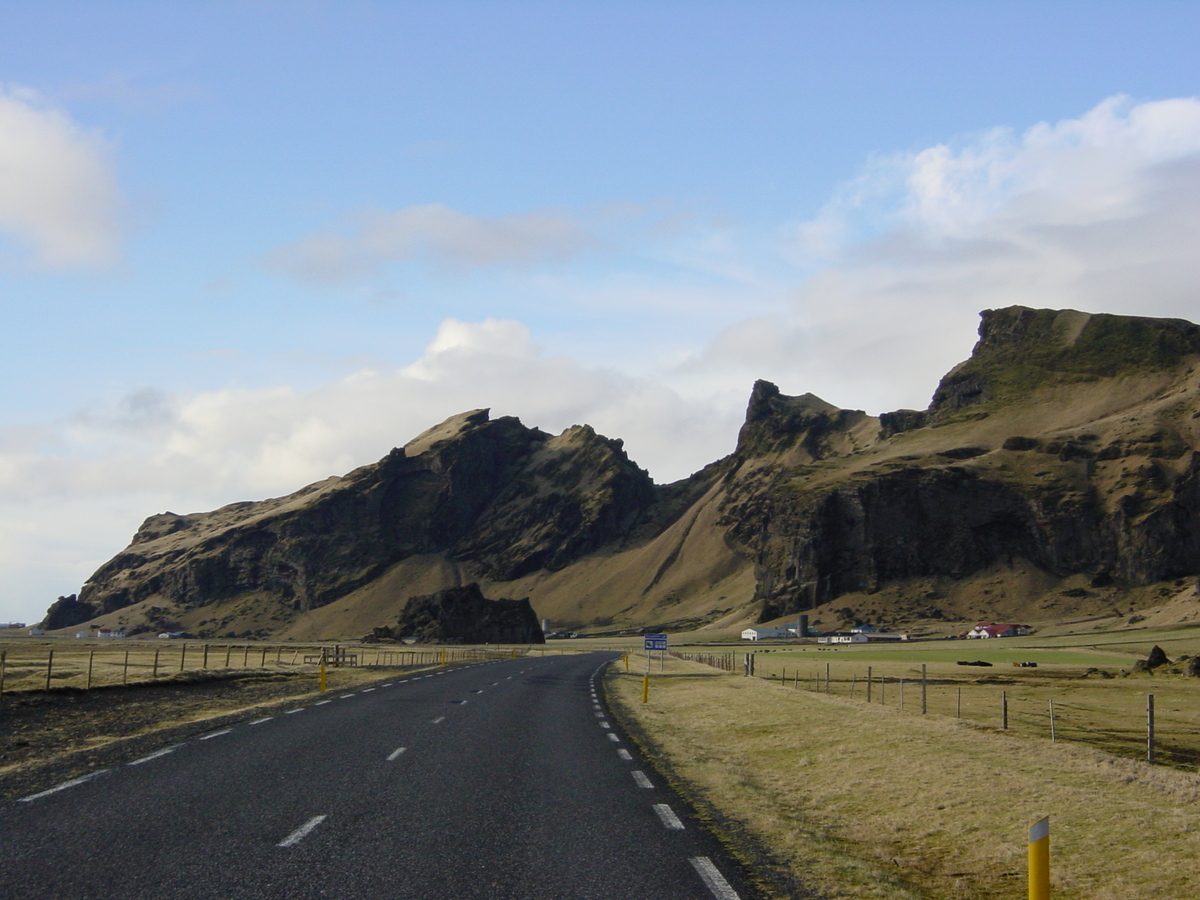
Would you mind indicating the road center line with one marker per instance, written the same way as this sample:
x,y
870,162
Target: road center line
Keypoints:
x,y
640,777
210,736
668,817
155,755
605,725
296,710
62,787
301,833
713,879
260,721
613,737
625,755
395,754
366,690
322,702
438,720
345,696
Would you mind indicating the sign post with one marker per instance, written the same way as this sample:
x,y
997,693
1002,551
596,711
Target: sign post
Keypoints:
x,y
653,642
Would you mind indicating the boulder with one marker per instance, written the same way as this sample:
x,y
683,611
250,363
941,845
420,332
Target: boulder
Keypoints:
x,y
464,615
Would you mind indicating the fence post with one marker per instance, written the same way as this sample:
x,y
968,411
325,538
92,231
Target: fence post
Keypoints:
x,y
125,669
205,666
1150,729
868,684
49,666
924,691
155,673
883,690
183,656
91,656
1004,710
853,684
902,693
228,651
246,657
1053,733
262,663
3,665
959,703
1039,860
827,678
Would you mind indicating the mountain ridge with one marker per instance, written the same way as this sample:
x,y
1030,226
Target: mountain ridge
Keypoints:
x,y
1063,449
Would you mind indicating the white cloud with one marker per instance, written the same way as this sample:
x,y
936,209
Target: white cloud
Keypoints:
x,y
58,193
1100,213
434,233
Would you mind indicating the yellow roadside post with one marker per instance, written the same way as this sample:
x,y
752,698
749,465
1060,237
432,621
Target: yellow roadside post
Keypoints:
x,y
646,688
626,662
1039,860
324,685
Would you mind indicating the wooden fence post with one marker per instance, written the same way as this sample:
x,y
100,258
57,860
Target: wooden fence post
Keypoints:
x,y
959,713
49,666
91,656
1004,710
182,656
3,665
827,678
228,651
1053,733
1150,729
154,674
924,691
125,670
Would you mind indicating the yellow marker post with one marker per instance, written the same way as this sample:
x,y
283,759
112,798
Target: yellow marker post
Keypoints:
x,y
324,685
626,662
645,688
1039,860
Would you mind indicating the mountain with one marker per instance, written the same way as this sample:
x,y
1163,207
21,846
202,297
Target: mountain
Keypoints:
x,y
1054,473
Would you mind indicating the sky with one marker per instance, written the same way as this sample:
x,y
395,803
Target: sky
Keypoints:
x,y
248,245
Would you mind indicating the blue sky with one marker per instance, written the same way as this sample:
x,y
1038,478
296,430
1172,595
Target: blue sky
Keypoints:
x,y
247,245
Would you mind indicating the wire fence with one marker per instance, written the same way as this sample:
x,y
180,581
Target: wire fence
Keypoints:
x,y
1157,721
45,666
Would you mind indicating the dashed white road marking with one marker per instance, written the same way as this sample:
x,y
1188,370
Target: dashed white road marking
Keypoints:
x,y
155,755
296,710
322,702
62,787
605,725
301,833
668,817
625,754
366,690
438,720
395,754
613,737
713,879
345,696
214,734
598,714
258,721
641,779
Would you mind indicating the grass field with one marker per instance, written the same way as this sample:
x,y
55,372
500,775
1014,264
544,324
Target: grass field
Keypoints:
x,y
871,801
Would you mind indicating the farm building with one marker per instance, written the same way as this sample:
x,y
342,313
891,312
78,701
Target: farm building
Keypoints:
x,y
992,630
767,634
860,637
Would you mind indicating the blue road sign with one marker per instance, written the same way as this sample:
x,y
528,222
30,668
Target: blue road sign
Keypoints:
x,y
656,642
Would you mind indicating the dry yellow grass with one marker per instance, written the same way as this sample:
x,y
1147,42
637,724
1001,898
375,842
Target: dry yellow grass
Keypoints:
x,y
868,801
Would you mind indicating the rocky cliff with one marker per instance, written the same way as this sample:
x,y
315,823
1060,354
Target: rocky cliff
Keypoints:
x,y
1065,447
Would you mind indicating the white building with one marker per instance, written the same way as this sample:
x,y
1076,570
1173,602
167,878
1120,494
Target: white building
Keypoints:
x,y
860,637
768,634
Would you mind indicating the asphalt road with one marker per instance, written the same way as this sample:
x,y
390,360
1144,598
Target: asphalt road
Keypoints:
x,y
503,780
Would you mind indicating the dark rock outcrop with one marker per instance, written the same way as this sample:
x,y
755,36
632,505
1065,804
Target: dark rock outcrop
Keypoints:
x,y
464,615
66,612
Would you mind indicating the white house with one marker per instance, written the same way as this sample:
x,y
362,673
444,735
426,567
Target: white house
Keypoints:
x,y
860,637
992,630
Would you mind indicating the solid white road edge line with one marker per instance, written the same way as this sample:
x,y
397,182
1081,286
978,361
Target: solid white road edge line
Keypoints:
x,y
395,754
156,754
301,833
668,817
715,880
214,734
641,779
62,787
